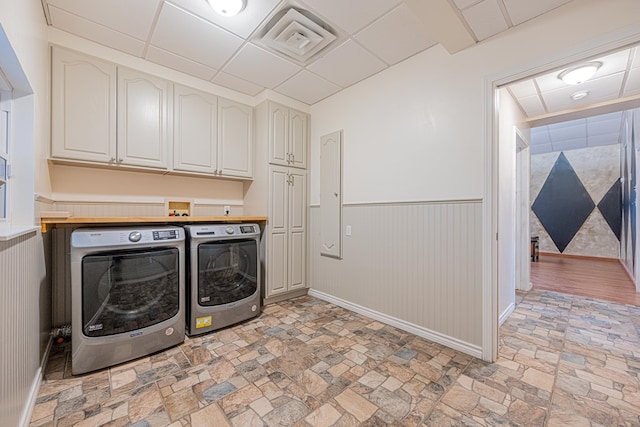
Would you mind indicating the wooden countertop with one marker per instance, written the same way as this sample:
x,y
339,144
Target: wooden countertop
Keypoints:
x,y
48,223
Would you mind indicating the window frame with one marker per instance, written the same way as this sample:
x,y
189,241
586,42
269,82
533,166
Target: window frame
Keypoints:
x,y
5,147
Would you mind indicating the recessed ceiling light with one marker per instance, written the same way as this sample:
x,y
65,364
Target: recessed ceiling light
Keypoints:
x,y
579,95
580,73
227,7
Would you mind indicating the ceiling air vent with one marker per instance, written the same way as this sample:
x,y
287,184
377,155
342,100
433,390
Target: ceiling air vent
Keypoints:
x,y
297,36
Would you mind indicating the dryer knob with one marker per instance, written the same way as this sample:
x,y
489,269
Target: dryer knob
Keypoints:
x,y
230,230
135,236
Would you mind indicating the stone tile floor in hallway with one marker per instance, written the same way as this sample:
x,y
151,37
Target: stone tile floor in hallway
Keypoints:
x,y
564,361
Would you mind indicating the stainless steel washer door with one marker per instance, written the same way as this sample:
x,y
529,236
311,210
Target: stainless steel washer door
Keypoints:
x,y
126,291
227,271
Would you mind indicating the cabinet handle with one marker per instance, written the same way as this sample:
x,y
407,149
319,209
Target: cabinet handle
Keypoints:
x,y
120,160
293,158
113,159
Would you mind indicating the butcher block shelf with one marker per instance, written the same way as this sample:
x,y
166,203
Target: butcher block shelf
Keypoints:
x,y
48,223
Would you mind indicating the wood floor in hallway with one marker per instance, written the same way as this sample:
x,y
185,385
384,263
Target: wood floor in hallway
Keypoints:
x,y
592,278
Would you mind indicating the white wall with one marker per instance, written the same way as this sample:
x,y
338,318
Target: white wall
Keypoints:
x,y
509,117
417,133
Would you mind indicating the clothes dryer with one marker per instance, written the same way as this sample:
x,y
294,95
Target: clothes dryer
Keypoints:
x,y
127,292
223,281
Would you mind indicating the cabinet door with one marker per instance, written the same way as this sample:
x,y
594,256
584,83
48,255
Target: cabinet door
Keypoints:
x,y
278,238
142,119
297,229
235,139
298,128
278,134
83,116
195,130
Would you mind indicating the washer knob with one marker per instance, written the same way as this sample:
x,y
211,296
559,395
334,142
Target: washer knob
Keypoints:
x,y
230,230
135,236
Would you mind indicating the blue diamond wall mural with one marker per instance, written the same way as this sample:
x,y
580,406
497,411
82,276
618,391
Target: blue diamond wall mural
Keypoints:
x,y
611,208
563,204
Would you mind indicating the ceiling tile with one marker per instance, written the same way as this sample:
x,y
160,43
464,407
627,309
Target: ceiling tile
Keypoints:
x,y
601,127
570,144
532,106
307,87
243,24
485,19
260,67
603,89
352,15
540,135
522,89
611,64
136,22
541,149
636,57
520,11
463,4
232,82
179,63
97,33
347,64
633,83
604,139
198,40
575,131
396,36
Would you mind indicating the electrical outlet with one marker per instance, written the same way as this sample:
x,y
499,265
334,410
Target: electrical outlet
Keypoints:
x,y
347,230
227,210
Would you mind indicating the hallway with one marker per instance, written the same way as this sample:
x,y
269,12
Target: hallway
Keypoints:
x,y
601,279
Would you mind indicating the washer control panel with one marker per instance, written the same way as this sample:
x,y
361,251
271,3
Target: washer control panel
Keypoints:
x,y
223,231
135,236
164,234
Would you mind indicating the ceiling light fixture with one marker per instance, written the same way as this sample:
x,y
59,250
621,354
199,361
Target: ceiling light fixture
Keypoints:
x,y
227,7
579,95
579,74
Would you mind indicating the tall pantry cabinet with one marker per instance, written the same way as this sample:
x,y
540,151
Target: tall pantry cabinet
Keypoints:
x,y
279,190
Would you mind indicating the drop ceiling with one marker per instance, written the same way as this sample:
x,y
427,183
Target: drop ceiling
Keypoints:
x,y
370,36
546,98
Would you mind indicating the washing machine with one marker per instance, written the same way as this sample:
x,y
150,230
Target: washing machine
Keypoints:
x,y
223,280
127,292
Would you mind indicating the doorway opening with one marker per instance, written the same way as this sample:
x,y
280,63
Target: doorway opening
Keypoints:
x,y
535,94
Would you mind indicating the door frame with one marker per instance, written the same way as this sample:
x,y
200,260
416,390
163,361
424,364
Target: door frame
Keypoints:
x,y
601,45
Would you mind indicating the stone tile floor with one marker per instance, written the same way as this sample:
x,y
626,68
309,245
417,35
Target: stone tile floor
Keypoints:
x,y
564,361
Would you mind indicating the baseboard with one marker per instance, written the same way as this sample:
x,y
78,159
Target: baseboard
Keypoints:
x,y
629,275
585,257
420,331
506,313
284,296
27,410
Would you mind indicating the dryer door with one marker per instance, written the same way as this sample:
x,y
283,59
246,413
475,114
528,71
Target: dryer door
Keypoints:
x,y
125,291
227,271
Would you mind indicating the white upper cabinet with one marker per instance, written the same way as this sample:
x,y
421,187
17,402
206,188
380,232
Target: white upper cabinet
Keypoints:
x,y
235,139
109,114
195,130
288,136
142,119
298,138
83,120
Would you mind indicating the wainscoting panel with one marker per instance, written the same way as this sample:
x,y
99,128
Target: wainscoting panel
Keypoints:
x,y
24,336
416,264
92,209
